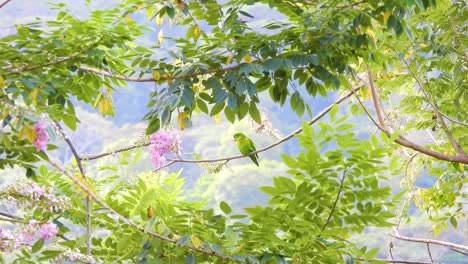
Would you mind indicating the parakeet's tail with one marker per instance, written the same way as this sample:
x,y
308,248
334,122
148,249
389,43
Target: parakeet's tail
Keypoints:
x,y
254,159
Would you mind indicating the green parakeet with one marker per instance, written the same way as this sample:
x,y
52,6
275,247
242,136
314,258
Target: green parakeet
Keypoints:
x,y
245,146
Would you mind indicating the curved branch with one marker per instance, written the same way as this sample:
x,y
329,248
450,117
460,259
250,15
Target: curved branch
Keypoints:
x,y
429,241
402,140
436,109
439,114
31,68
4,3
336,200
284,139
126,220
151,79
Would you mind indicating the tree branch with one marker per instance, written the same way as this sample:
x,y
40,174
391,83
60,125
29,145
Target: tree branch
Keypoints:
x,y
429,252
4,3
126,220
429,241
284,139
395,261
402,140
336,200
31,68
82,171
434,106
151,79
438,113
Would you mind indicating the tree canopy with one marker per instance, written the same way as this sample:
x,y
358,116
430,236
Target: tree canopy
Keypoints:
x,y
400,64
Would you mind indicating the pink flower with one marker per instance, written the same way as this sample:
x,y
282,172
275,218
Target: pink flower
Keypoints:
x,y
41,140
162,142
48,230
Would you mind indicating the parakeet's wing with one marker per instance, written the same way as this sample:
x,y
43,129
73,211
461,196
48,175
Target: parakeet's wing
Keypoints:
x,y
252,147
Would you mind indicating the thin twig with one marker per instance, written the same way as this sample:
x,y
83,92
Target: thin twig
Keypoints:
x,y
434,106
458,251
17,219
23,68
429,252
151,79
336,200
429,241
402,140
284,139
126,220
4,3
438,113
394,261
78,159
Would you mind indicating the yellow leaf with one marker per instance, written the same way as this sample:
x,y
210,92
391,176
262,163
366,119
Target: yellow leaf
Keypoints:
x,y
197,88
150,212
248,58
159,20
229,59
196,242
217,118
200,218
128,19
2,82
3,115
364,93
371,33
196,32
28,132
239,248
386,16
33,93
84,182
180,120
160,37
96,102
167,77
156,75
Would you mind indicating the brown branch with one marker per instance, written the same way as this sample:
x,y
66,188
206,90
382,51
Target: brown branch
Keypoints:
x,y
395,261
151,79
429,241
284,139
82,171
15,218
402,140
429,252
4,3
126,220
439,115
336,201
460,252
434,106
31,68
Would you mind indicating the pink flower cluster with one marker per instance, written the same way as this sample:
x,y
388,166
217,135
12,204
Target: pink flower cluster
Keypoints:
x,y
41,137
31,195
13,240
162,142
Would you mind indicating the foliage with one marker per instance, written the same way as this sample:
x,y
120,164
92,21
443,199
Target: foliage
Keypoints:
x,y
410,54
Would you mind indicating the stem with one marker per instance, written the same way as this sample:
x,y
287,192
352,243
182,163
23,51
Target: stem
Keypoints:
x,y
336,200
429,241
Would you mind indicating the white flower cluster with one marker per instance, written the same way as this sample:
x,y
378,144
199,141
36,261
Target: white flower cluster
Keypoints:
x,y
75,256
266,127
30,194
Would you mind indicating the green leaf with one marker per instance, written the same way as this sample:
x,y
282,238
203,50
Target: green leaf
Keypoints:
x,y
217,108
190,259
225,207
289,161
37,245
70,121
153,126
254,113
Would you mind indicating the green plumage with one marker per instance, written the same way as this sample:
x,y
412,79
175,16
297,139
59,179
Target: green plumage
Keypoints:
x,y
245,146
